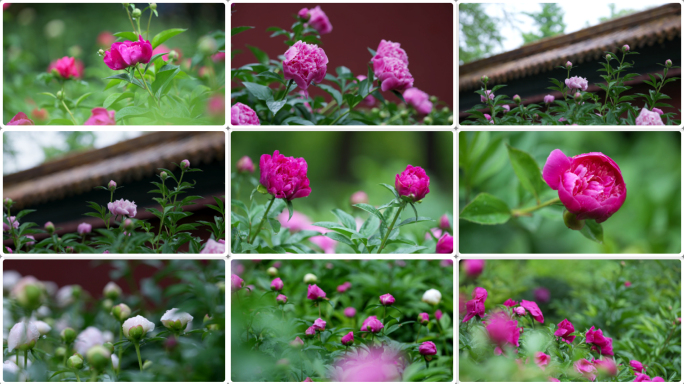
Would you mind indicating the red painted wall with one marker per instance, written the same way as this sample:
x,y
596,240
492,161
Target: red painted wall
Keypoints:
x,y
425,32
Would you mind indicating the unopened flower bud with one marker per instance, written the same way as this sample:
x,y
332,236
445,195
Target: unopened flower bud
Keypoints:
x,y
282,363
185,164
445,109
207,45
128,224
484,79
423,318
384,114
173,55
536,116
60,352
111,185
112,291
572,222
359,197
60,95
109,346
68,335
451,119
578,96
136,13
147,364
49,227
608,57
153,6
433,99
403,113
304,14
568,65
245,164
310,278
374,110
30,296
101,52
427,120
121,312
98,357
668,63
107,304
163,175
206,319
272,271
517,99
625,48
8,202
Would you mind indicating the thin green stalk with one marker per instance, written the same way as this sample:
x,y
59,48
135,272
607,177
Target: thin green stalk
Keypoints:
x,y
18,360
262,223
527,211
129,18
25,358
93,376
77,378
142,78
120,345
319,311
389,230
137,350
426,363
147,33
65,107
418,334
384,313
340,116
287,89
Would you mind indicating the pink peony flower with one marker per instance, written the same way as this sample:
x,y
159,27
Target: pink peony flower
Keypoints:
x,y
311,331
20,119
106,39
319,324
657,379
12,220
562,119
123,207
489,94
305,63
282,299
359,197
315,293
298,222
585,368
534,310
658,110
427,348
423,318
548,99
387,48
241,114
303,14
642,378
542,360
636,366
308,379
577,82
419,100
245,164
599,342
297,342
625,47
219,56
507,108
217,106
284,177
488,117
444,222
565,328
100,116
348,339
647,117
412,182
438,315
128,53
372,324
520,311
386,299
542,295
213,247
607,366
628,284
343,287
350,312
502,330
364,325
318,20
476,305
277,284
84,228
67,67
369,100
510,303
375,364
590,185
473,268
39,114
568,64
393,73
235,282
445,244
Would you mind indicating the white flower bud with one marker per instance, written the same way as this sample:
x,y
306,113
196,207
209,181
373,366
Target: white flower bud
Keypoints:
x,y
273,271
22,336
112,291
432,296
137,327
42,326
175,320
87,339
310,278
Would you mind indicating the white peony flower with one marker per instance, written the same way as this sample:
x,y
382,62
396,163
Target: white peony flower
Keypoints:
x,y
147,326
9,366
23,335
10,279
87,339
432,296
115,361
310,278
65,296
108,336
176,320
43,311
13,359
42,326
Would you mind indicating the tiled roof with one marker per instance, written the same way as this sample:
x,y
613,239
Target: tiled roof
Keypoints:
x,y
125,161
637,30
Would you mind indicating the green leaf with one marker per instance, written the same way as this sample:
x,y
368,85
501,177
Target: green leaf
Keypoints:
x,y
370,209
296,120
409,249
236,30
153,59
164,77
114,97
162,36
346,219
275,224
486,209
412,220
344,73
127,78
527,170
60,122
372,51
275,106
259,91
592,231
290,209
112,83
391,189
271,76
48,94
333,92
83,97
397,94
260,55
127,35
131,111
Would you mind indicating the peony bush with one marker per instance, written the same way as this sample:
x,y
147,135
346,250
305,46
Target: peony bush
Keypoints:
x,y
580,107
304,64
123,233
317,320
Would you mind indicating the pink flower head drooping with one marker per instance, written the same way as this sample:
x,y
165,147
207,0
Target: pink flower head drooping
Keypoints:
x,y
599,342
476,305
647,117
636,366
510,303
474,268
20,119
284,177
235,282
128,53
542,295
319,324
427,348
542,360
590,185
101,116
393,73
565,328
419,100
318,20
67,67
489,94
305,63
548,99
84,228
386,299
12,220
389,49
445,244
412,182
577,82
241,114
585,368
534,310
315,293
123,207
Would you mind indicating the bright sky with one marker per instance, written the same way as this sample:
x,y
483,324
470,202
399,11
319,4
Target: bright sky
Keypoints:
x,y
29,146
576,17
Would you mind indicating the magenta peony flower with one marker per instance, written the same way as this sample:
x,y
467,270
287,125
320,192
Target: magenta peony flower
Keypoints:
x,y
375,364
565,328
282,299
585,368
476,305
412,182
387,48
599,342
315,293
84,228
438,315
642,378
577,82
607,366
548,99
350,312
636,366
647,117
284,177
473,268
214,247
310,332
445,244
241,114
393,73
369,100
427,348
419,100
128,53
12,220
216,106
373,325
534,310
123,207
628,284
359,197
520,311
318,20
489,94
348,339
277,284
326,244
386,299
303,14
423,318
20,119
67,67
319,324
657,379
245,164
502,330
308,379
510,303
444,222
542,295
235,282
343,287
590,185
305,63
100,116
364,325
219,56
542,360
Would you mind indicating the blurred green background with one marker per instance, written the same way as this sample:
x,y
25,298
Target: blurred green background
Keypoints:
x,y
36,34
341,163
648,222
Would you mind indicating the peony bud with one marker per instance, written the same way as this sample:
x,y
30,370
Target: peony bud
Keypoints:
x,y
433,99
171,343
60,352
8,202
438,315
568,65
451,119
282,299
432,296
153,6
109,346
163,175
572,222
608,57
137,327
245,164
111,291
175,320
386,299
43,327
520,311
75,362
297,343
84,228
668,63
272,271
68,335
350,312
185,164
98,357
359,197
111,185
107,305
310,278
578,96
517,99
28,293
348,339
207,45
277,284
147,364
22,336
121,312
423,318
444,222
310,332
136,13
427,348
625,48
484,79
427,120
128,225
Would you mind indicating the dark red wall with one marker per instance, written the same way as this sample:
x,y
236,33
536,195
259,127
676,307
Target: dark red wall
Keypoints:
x,y
425,32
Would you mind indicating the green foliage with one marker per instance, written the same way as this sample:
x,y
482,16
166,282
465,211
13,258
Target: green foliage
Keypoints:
x,y
549,21
479,32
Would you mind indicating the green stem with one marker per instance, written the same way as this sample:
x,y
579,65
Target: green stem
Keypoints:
x,y
77,378
93,377
340,116
287,89
384,313
418,334
137,350
67,108
129,18
25,358
262,223
330,105
180,181
319,311
142,78
389,230
147,33
426,363
527,211
120,345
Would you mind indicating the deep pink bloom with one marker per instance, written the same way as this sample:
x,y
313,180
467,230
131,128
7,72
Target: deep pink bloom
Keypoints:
x,y
423,318
476,306
318,20
473,268
642,378
350,312
241,114
359,197
106,39
479,294
444,222
606,365
412,182
419,100
542,360
372,324
600,342
20,119
315,293
214,247
520,311
325,243
636,366
311,331
534,310
216,106
101,116
427,348
235,282
510,303
84,228
277,284
219,56
488,93
375,364
502,330
507,108
658,110
284,177
303,14
282,299
348,339
245,164
387,48
305,63
393,73
369,100
67,67
319,324
542,295
647,117
445,244
657,379
565,328
365,323
585,368
590,185
123,207
628,284
438,315
343,287
548,99
386,299
308,379
11,220
125,54
577,82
